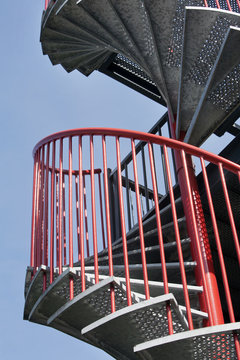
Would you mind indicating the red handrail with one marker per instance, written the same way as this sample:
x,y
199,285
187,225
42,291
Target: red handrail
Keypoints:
x,y
159,140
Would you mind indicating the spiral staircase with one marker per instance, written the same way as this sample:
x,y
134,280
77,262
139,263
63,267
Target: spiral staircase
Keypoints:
x,y
188,51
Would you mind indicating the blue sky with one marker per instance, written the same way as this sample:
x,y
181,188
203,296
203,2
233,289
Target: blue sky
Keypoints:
x,y
38,99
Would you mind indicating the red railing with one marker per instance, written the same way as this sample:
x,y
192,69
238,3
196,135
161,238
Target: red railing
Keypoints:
x,y
62,239
231,5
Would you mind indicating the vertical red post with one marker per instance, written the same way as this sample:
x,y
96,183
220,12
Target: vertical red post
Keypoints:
x,y
85,215
71,290
101,210
196,226
94,225
64,224
33,238
123,225
57,219
81,213
108,222
36,247
229,5
41,207
77,217
140,225
178,240
52,214
46,218
60,205
160,237
200,243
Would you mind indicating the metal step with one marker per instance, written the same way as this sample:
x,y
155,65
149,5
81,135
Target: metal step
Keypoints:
x,y
152,254
203,28
106,15
56,295
90,305
154,271
206,343
221,95
139,322
34,290
156,288
136,19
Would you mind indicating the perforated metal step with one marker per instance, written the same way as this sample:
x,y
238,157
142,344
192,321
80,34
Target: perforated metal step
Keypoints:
x,y
214,342
145,320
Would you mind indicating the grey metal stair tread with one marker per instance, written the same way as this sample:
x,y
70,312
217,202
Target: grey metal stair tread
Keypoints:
x,y
186,343
28,279
164,18
90,305
145,320
103,11
156,287
76,56
151,236
195,313
149,220
218,101
34,291
203,27
136,20
152,253
55,296
65,48
87,68
154,271
86,64
59,36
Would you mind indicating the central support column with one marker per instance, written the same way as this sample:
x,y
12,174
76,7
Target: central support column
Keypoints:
x,y
200,247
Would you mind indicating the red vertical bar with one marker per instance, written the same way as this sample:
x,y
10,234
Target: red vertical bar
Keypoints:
x,y
178,240
238,2
85,215
229,6
60,205
160,237
41,203
36,248
123,226
229,209
46,4
46,218
205,3
218,6
52,214
101,210
209,294
140,225
57,220
33,238
70,218
81,214
94,226
108,222
77,217
64,224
